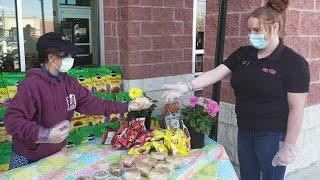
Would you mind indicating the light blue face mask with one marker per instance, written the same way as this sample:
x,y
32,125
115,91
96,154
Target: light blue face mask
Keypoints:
x,y
257,41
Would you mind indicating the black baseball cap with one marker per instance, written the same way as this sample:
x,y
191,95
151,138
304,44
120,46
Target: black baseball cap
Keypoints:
x,y
55,41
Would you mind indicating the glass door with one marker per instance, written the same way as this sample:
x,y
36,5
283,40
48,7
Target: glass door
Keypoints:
x,y
9,49
22,22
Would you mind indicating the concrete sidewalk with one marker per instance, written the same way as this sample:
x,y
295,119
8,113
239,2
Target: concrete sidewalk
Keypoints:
x,y
310,173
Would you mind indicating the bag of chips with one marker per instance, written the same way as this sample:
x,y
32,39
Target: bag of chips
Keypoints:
x,y
172,115
83,77
113,79
6,150
4,97
11,81
79,119
98,76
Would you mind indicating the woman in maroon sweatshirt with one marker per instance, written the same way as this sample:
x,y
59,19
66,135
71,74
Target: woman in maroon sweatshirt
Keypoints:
x,y
38,116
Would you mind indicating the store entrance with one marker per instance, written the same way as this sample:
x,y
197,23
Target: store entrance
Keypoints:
x,y
78,20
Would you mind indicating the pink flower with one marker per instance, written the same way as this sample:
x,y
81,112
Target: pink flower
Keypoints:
x,y
212,108
193,101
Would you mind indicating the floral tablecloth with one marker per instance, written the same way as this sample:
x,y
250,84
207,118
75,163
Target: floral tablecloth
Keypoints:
x,y
210,162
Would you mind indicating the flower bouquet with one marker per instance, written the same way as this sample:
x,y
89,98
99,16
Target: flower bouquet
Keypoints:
x,y
134,94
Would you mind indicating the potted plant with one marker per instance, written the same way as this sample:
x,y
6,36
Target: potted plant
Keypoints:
x,y
199,117
135,93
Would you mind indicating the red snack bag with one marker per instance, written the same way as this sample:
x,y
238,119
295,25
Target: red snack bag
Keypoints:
x,y
123,141
138,125
108,136
131,135
142,138
117,144
118,139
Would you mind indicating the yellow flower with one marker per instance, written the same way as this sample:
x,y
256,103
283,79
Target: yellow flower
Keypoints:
x,y
135,93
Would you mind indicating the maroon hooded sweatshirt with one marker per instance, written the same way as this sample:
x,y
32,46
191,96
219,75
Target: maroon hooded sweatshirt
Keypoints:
x,y
42,101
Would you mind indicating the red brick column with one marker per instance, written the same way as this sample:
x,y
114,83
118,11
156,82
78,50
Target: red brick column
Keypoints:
x,y
210,34
149,38
111,18
302,33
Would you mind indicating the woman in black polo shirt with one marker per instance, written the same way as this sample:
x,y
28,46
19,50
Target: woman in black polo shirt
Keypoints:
x,y
271,83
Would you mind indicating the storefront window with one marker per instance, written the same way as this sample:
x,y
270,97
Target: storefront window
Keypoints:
x,y
75,2
198,51
76,19
9,53
201,12
37,17
199,63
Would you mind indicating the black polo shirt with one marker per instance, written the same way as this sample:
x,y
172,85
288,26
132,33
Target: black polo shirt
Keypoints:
x,y
261,86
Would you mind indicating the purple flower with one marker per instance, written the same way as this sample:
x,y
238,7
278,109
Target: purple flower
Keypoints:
x,y
212,108
193,101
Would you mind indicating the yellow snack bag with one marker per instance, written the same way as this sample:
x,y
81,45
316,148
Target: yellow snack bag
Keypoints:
x,y
11,81
177,142
157,135
159,146
98,76
145,149
4,136
83,77
171,146
113,79
4,97
79,119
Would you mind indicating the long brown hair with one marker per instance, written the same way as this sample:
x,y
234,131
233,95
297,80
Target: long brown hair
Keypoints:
x,y
271,13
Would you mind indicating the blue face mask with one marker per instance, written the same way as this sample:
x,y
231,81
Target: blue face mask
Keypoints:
x,y
257,41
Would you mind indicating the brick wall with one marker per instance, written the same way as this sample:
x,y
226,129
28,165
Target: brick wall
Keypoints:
x,y
149,38
301,33
111,17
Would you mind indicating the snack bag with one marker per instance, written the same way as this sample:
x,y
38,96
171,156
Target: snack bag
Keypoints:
x,y
6,150
113,79
2,112
123,97
128,133
111,130
145,149
4,136
108,96
79,119
95,119
4,97
172,115
154,123
83,77
98,76
11,81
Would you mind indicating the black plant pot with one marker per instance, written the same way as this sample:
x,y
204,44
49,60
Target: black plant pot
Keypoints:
x,y
147,122
197,139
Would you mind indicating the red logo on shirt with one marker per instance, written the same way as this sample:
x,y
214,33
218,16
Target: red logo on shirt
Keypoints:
x,y
270,71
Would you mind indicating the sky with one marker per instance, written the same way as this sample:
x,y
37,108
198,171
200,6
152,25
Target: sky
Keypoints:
x,y
29,8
